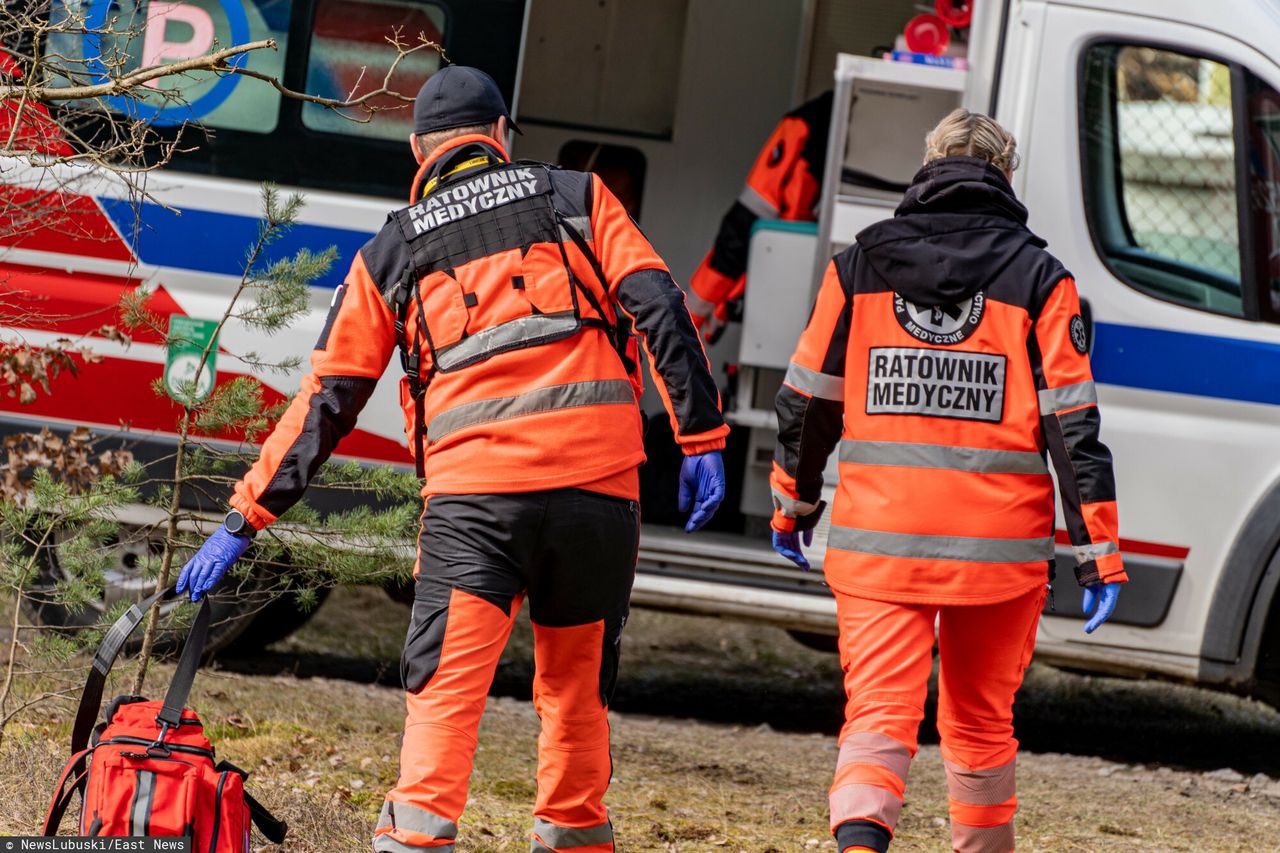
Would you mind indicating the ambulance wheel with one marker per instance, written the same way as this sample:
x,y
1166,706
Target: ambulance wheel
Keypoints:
x,y
816,641
124,579
277,619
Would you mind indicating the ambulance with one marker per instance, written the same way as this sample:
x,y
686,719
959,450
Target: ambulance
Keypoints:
x,y
1149,132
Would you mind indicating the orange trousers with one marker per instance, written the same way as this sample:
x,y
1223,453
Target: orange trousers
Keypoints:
x,y
886,654
572,554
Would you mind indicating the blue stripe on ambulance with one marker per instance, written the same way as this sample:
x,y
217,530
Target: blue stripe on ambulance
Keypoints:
x,y
1131,356
1184,363
213,242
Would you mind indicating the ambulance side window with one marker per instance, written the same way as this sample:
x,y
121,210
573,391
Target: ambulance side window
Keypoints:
x,y
350,54
1158,144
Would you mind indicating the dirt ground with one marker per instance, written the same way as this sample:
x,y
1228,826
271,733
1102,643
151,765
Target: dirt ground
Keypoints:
x,y
723,741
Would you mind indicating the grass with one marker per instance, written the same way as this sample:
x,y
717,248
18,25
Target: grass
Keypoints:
x,y
322,751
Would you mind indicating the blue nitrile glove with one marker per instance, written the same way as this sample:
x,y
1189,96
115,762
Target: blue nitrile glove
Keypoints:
x,y
1105,596
218,553
701,487
788,545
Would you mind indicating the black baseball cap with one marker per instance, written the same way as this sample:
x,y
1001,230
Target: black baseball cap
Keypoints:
x,y
457,96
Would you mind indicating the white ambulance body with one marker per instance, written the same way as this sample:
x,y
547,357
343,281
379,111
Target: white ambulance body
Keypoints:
x,y
1148,131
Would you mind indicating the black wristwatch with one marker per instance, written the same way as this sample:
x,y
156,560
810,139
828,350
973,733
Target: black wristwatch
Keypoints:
x,y
238,525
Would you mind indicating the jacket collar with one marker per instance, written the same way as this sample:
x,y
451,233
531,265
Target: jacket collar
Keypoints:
x,y
455,159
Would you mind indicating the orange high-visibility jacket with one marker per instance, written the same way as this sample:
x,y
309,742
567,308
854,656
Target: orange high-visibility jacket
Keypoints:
x,y
784,183
945,355
509,326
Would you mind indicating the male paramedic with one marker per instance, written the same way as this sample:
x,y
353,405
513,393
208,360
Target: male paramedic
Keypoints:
x,y
785,182
509,289
945,355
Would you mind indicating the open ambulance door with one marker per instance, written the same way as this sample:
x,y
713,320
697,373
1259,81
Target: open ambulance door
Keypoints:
x,y
881,113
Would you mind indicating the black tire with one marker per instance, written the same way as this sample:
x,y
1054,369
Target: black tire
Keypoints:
x,y
233,608
279,618
400,591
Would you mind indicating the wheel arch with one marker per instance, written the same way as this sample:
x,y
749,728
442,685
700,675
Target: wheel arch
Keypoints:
x,y
1247,587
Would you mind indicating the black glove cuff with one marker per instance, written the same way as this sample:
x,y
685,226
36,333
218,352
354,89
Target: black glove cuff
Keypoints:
x,y
810,521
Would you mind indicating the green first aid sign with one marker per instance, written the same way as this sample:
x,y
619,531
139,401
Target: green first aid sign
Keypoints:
x,y
188,339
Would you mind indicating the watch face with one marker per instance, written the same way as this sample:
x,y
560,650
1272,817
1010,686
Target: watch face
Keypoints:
x,y
235,522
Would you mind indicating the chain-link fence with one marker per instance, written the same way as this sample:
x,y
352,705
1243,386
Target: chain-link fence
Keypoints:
x,y
1177,157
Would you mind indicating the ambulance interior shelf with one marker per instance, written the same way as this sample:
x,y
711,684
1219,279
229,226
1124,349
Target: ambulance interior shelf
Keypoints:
x,y
882,111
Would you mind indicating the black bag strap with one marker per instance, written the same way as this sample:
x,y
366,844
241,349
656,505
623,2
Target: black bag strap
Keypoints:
x,y
185,675
109,650
103,660
618,332
269,825
409,291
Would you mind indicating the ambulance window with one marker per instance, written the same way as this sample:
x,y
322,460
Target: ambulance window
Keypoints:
x,y
148,32
1263,104
350,54
1157,138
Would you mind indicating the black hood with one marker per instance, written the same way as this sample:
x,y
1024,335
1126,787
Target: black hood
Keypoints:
x,y
958,226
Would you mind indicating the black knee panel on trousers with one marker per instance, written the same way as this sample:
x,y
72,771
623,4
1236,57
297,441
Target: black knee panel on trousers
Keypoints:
x,y
572,551
863,833
422,644
427,623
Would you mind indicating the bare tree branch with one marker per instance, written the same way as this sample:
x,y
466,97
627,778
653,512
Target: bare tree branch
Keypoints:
x,y
352,100
215,61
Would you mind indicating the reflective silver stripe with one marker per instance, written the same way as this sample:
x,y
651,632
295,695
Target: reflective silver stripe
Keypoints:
x,y
581,224
911,455
756,203
878,749
969,548
386,844
1085,553
400,815
850,802
140,814
506,335
595,393
981,839
567,837
813,383
698,305
791,507
1067,397
981,787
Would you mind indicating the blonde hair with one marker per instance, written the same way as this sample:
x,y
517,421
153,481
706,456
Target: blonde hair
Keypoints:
x,y
966,134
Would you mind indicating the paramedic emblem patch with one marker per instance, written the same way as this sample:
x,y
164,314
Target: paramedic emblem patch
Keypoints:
x,y
943,324
936,383
1078,338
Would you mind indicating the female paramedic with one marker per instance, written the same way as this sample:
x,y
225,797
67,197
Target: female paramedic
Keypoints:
x,y
946,353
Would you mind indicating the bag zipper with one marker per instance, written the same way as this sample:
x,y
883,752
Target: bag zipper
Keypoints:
x,y
172,747
217,814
